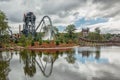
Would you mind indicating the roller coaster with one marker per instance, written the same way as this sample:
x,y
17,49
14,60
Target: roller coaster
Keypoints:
x,y
43,26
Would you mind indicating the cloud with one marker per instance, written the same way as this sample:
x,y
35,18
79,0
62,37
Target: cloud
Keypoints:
x,y
62,12
54,6
4,0
108,27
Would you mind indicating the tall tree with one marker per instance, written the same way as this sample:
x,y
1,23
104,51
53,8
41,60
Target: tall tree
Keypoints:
x,y
97,30
3,22
70,30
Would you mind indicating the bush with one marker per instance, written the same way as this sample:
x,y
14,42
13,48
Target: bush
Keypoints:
x,y
40,42
32,43
47,41
19,44
57,42
66,41
61,40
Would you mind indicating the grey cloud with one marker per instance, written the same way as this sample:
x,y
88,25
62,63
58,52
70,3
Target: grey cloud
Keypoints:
x,y
4,0
16,18
50,7
107,8
63,14
106,4
112,14
76,13
110,30
60,8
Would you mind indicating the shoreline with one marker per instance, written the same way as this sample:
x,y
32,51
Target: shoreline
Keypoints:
x,y
54,48
39,48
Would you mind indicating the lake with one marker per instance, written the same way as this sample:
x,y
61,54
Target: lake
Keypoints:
x,y
79,63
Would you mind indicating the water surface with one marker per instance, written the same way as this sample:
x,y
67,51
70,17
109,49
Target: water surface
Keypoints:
x,y
79,63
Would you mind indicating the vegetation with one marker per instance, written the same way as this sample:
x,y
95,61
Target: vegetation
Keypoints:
x,y
3,23
70,31
3,32
69,37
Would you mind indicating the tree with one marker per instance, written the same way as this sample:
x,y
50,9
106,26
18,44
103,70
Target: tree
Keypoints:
x,y
70,30
3,26
95,36
3,23
97,30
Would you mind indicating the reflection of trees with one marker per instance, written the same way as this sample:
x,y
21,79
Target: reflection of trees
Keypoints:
x,y
97,53
28,59
88,53
85,53
70,57
48,58
4,65
43,61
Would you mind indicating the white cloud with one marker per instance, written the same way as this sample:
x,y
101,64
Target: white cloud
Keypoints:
x,y
108,27
62,12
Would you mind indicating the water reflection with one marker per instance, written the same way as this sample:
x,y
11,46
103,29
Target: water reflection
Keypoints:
x,y
4,65
48,59
70,57
43,61
29,63
89,55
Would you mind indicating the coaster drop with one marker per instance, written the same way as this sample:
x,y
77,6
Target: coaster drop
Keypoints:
x,y
30,28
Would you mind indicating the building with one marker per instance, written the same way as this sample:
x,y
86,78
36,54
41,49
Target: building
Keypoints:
x,y
85,32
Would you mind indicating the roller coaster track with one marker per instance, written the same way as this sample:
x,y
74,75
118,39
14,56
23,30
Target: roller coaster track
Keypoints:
x,y
43,22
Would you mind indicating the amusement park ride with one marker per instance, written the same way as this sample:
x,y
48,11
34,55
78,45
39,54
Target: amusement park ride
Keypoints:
x,y
30,28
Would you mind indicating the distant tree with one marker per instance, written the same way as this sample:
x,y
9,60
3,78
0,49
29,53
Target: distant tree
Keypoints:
x,y
97,30
70,30
108,36
95,36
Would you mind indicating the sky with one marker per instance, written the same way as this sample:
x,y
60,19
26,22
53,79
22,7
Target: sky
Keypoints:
x,y
104,14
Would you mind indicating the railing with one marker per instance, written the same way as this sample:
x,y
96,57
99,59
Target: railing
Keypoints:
x,y
96,41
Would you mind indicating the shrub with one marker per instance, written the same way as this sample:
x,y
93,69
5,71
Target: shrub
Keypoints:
x,y
40,42
57,42
32,43
47,41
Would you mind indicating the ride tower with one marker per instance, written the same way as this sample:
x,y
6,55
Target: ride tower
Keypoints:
x,y
44,28
29,24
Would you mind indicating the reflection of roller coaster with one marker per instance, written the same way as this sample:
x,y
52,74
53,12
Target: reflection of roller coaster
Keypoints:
x,y
32,60
48,60
29,24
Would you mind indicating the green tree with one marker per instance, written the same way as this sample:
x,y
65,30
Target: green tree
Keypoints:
x,y
95,36
97,30
3,23
70,30
3,26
